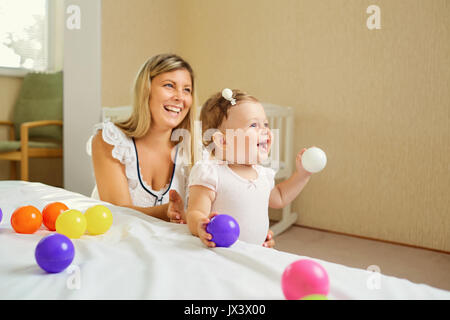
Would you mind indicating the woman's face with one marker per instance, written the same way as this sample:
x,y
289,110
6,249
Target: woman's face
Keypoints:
x,y
170,98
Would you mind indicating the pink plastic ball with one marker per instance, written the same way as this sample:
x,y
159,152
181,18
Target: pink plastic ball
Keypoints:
x,y
304,277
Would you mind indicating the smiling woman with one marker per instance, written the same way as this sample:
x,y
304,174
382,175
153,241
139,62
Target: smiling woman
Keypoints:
x,y
135,161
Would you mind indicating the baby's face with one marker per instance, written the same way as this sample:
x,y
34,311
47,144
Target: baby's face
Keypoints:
x,y
247,135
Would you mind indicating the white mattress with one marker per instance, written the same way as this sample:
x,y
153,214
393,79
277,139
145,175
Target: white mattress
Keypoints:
x,y
141,257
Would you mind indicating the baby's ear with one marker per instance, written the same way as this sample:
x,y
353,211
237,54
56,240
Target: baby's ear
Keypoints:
x,y
219,140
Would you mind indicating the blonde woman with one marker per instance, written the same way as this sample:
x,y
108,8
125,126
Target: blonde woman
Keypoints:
x,y
136,162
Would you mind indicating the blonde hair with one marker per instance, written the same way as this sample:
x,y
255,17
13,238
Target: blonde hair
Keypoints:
x,y
139,122
216,109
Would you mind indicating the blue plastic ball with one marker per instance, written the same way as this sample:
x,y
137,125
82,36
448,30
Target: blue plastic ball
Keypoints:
x,y
224,230
54,253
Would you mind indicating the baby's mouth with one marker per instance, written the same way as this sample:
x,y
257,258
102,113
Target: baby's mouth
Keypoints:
x,y
264,145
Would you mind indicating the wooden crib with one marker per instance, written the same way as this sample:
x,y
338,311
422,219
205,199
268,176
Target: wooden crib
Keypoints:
x,y
282,157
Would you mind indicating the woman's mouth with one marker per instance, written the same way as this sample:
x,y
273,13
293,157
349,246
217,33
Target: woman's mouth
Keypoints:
x,y
174,110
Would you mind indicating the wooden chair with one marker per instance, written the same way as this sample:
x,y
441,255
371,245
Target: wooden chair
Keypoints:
x,y
36,129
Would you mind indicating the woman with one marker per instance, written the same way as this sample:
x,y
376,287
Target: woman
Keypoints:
x,y
136,162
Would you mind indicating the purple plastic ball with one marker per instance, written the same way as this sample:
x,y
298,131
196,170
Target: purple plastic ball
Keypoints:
x,y
1,214
54,253
224,230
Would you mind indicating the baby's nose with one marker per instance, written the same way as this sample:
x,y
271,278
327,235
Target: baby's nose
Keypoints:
x,y
264,131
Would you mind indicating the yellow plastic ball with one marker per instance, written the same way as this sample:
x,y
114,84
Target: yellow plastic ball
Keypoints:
x,y
71,223
99,219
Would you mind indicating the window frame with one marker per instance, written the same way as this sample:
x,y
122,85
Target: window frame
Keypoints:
x,y
50,50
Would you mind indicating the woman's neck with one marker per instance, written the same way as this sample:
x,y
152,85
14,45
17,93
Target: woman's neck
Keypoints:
x,y
158,137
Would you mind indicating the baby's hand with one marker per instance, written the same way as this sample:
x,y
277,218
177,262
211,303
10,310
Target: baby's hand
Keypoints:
x,y
175,210
298,163
204,236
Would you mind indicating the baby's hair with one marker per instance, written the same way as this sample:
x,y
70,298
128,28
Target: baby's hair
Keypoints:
x,y
216,109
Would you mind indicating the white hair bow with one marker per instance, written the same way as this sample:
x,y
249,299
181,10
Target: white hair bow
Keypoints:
x,y
228,95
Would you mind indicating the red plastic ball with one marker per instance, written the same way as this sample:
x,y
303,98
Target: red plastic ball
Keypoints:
x,y
26,219
51,213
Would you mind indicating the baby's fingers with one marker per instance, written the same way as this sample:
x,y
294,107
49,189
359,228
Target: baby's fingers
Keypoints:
x,y
301,152
204,236
208,243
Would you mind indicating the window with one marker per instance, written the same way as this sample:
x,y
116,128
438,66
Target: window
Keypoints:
x,y
25,38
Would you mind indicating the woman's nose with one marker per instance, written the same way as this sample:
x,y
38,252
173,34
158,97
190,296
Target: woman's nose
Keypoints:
x,y
178,95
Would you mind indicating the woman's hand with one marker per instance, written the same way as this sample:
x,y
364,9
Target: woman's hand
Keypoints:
x,y
270,242
175,210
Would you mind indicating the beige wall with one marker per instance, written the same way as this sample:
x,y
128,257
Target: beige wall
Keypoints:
x,y
132,32
377,102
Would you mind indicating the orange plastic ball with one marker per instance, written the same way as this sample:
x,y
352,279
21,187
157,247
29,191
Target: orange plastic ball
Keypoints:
x,y
51,212
26,219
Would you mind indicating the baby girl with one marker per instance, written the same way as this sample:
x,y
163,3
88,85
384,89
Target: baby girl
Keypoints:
x,y
231,179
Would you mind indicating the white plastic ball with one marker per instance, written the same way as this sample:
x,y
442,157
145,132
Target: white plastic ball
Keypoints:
x,y
314,160
227,93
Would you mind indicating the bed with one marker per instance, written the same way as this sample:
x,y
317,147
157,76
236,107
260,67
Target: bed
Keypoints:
x,y
141,257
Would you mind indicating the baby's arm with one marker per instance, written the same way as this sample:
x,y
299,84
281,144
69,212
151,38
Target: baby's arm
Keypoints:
x,y
198,212
285,192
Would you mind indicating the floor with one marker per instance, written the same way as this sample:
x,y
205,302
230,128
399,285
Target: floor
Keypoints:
x,y
416,265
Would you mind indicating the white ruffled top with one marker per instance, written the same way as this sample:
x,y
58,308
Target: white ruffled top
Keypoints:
x,y
245,200
124,150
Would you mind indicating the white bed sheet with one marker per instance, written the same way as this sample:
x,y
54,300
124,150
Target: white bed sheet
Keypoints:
x,y
141,257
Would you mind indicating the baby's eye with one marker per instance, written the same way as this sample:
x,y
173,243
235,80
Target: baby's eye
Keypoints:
x,y
254,125
266,125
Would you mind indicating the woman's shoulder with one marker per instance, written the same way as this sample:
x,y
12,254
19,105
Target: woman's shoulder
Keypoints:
x,y
112,134
109,136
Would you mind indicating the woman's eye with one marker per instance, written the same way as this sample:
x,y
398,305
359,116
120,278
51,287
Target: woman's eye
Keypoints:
x,y
188,90
168,84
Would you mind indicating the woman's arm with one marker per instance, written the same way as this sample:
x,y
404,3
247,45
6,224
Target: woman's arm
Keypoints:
x,y
111,180
198,212
285,192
